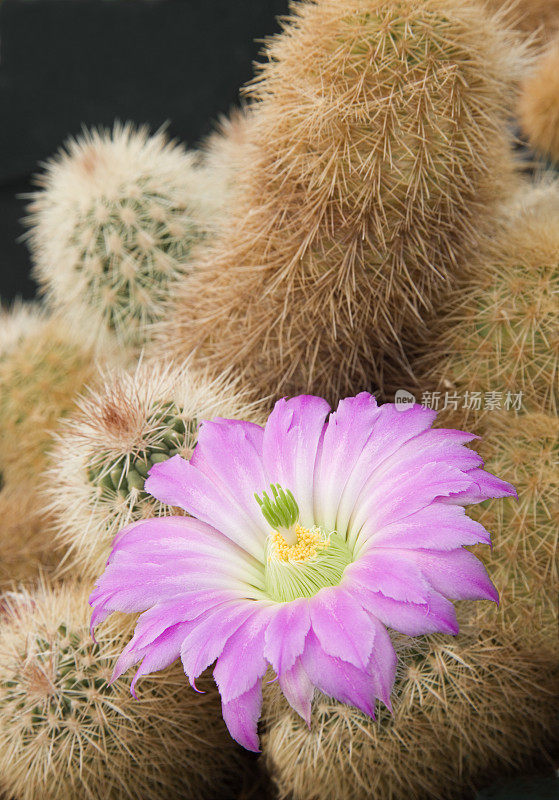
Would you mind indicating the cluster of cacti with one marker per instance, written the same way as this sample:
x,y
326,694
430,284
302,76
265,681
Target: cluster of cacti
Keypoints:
x,y
362,224
103,453
115,222
378,154
67,733
455,722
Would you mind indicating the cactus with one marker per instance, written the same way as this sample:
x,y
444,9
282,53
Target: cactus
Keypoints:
x,y
223,152
538,107
114,224
25,541
66,733
538,20
44,363
378,152
523,562
104,451
501,332
455,724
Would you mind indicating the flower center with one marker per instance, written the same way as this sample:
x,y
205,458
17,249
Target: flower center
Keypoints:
x,y
307,545
299,561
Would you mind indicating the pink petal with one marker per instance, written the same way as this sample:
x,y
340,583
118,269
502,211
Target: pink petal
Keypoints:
x,y
457,574
483,486
436,445
174,536
179,483
162,652
436,527
242,662
347,432
208,637
341,626
389,501
298,690
337,678
392,573
382,663
181,608
437,614
391,430
291,440
229,453
241,716
286,633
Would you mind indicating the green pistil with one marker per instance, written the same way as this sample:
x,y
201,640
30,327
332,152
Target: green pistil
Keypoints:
x,y
282,511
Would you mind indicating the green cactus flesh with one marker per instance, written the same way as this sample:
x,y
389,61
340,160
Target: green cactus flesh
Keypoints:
x,y
127,474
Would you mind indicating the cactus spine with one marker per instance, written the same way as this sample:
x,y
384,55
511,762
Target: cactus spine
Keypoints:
x,y
538,107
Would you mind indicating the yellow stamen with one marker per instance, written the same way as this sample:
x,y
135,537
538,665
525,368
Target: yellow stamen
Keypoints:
x,y
306,547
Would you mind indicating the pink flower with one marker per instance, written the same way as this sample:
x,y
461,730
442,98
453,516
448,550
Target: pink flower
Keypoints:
x,y
308,538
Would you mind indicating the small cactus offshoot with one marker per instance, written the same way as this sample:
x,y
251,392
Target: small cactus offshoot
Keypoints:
x,y
114,224
66,733
105,450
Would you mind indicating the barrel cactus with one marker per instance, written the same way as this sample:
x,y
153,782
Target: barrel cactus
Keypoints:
x,y
114,224
65,732
103,452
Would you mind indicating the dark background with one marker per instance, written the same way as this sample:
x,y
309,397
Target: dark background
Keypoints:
x,y
66,63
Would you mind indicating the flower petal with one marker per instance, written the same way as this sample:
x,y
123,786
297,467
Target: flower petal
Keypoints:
x,y
291,440
241,662
347,432
298,690
435,527
178,483
208,637
286,633
389,501
457,574
341,626
392,573
437,614
229,453
483,486
391,430
241,716
160,654
337,678
382,663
